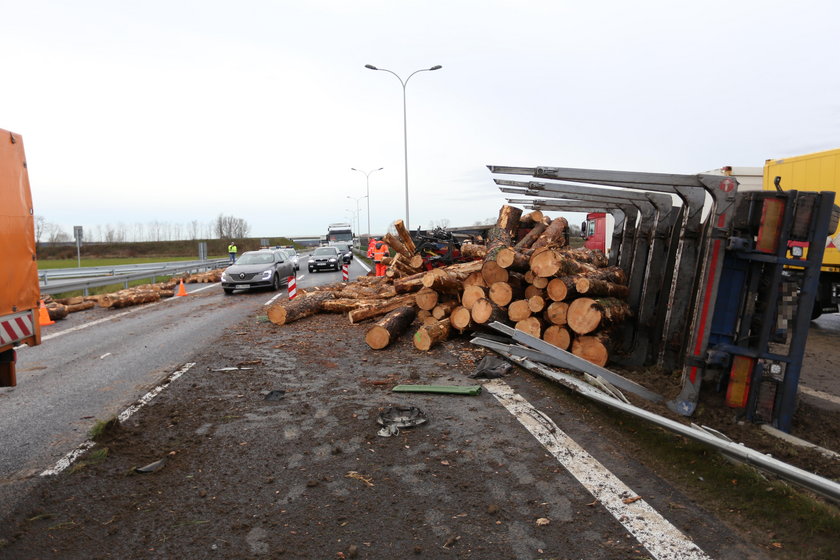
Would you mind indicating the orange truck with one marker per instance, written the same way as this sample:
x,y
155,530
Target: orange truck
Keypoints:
x,y
19,291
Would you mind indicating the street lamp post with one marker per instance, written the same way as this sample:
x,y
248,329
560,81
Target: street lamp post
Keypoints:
x,y
357,199
405,124
367,191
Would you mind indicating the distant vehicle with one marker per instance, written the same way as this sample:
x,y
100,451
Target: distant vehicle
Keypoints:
x,y
345,250
266,268
339,232
293,256
19,292
324,258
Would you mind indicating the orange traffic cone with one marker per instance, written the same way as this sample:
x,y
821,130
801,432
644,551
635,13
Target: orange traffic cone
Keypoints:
x,y
181,290
44,315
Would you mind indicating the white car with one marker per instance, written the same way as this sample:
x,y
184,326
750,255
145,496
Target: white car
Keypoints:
x,y
293,256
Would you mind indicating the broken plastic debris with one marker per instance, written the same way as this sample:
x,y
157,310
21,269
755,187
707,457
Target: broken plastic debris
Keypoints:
x,y
397,417
491,367
275,395
471,390
151,467
231,368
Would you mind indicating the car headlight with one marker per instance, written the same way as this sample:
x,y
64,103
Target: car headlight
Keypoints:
x,y
332,259
266,275
225,277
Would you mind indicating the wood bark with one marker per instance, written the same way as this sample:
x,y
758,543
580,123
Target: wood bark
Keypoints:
x,y
126,298
81,306
475,279
485,311
444,308
586,314
558,335
288,311
409,284
429,335
390,327
405,237
592,287
556,234
56,311
473,251
507,257
531,218
440,280
388,305
597,258
531,236
397,245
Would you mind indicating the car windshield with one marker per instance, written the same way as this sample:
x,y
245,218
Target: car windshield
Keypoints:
x,y
324,251
255,258
344,248
288,252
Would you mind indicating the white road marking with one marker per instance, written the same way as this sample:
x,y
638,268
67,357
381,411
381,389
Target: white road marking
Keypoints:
x,y
103,356
277,295
820,394
363,265
654,532
68,459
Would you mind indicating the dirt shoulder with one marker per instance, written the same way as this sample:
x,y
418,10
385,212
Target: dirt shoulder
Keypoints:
x,y
307,476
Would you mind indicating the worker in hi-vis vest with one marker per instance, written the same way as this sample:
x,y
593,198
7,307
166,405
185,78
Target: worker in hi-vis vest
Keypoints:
x,y
380,251
232,251
371,246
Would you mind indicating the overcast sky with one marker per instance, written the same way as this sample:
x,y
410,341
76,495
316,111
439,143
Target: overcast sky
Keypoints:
x,y
178,111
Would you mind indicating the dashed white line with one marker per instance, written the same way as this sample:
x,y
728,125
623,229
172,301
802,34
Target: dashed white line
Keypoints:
x,y
68,459
654,532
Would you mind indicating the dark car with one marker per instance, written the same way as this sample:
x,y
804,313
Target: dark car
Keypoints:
x,y
265,268
345,250
324,258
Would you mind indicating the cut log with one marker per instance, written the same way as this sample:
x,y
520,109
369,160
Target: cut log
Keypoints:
x,y
429,335
475,279
422,314
485,311
461,319
56,311
531,218
409,284
593,348
502,293
473,251
531,291
555,235
540,282
587,314
518,310
531,236
509,258
557,335
536,304
441,281
388,305
557,263
416,261
390,327
126,298
530,325
394,243
556,313
288,311
443,309
597,258
560,289
405,237
426,298
492,272
345,305
471,295
430,320
81,306
592,287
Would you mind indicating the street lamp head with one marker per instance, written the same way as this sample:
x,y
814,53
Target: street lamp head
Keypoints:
x,y
436,67
371,67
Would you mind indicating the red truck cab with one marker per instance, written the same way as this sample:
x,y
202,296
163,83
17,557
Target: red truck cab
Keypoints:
x,y
594,231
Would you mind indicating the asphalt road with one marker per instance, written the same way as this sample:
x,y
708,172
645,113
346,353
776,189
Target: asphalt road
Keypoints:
x,y
94,364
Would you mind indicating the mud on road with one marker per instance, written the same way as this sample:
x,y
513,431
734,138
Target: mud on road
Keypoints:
x,y
307,476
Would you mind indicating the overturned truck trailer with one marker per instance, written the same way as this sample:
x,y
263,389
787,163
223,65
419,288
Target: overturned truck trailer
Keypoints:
x,y
718,284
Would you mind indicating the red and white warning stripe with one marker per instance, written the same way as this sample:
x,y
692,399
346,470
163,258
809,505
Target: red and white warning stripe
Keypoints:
x,y
292,287
345,272
16,327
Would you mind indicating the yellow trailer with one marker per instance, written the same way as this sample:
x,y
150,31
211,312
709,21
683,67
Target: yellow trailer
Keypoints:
x,y
819,171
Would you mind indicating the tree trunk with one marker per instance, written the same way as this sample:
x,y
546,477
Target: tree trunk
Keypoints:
x,y
518,310
345,305
471,295
557,313
126,298
511,259
388,305
288,311
461,319
560,289
429,335
56,311
593,348
558,335
426,298
405,237
592,287
441,281
597,258
390,327
556,234
409,283
492,272
81,306
444,308
475,279
397,245
473,251
587,314
531,291
531,237
531,218
485,311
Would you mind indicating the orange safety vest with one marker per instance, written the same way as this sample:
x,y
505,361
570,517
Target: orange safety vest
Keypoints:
x,y
380,252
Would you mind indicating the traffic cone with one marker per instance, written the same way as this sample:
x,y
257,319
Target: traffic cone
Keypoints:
x,y
181,290
44,315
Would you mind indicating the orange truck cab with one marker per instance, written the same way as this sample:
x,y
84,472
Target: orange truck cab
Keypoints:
x,y
19,291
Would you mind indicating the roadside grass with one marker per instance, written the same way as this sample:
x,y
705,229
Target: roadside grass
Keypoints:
x,y
103,428
93,458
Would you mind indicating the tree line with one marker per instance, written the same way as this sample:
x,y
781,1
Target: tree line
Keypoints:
x,y
222,227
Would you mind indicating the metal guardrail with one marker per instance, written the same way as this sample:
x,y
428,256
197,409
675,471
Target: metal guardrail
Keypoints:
x,y
125,274
44,276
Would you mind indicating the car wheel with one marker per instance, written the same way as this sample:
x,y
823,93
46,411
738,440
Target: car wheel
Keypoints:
x,y
228,291
276,284
310,270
